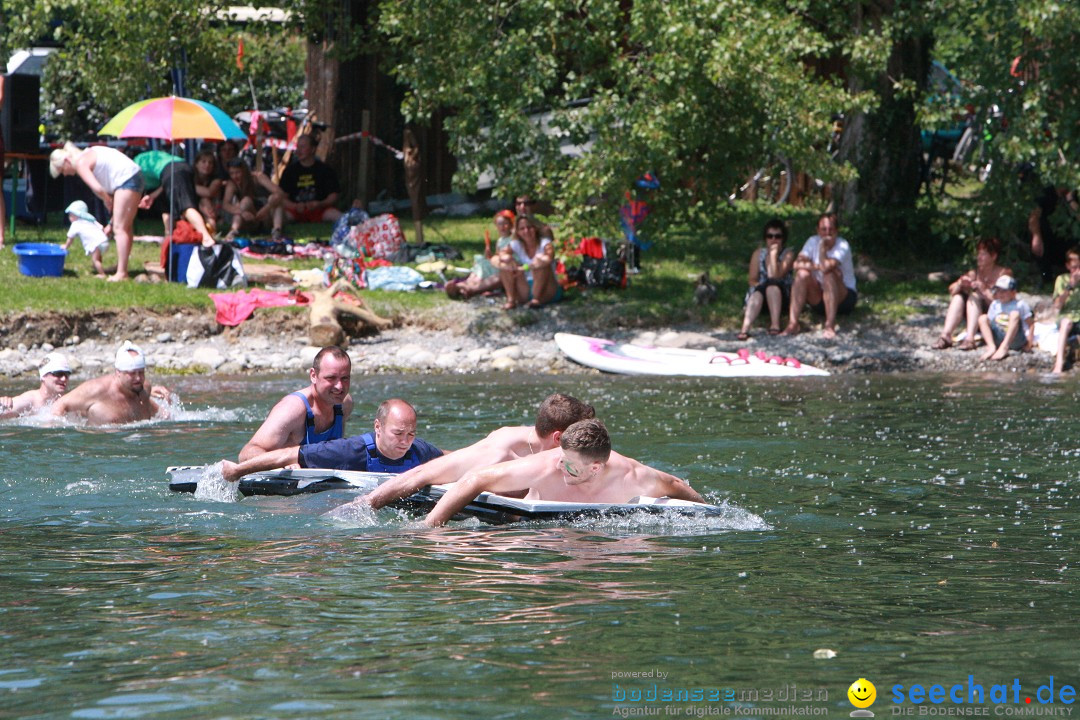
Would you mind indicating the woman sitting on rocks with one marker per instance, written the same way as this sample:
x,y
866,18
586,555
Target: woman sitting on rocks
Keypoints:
x,y
770,279
972,294
533,283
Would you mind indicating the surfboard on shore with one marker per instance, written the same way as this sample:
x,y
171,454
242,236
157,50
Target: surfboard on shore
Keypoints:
x,y
628,359
487,507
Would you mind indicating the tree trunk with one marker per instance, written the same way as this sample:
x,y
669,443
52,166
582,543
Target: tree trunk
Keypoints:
x,y
884,145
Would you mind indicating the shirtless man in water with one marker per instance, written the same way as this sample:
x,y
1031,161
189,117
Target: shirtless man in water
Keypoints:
x,y
315,414
120,397
556,413
54,373
582,469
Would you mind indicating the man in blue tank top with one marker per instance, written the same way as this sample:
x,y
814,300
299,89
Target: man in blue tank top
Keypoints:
x,y
392,448
314,414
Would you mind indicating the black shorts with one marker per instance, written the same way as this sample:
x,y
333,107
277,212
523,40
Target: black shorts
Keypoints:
x,y
846,305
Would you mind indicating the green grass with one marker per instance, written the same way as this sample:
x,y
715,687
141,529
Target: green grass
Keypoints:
x,y
662,294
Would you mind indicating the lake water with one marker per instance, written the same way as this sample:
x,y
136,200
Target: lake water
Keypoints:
x,y
922,528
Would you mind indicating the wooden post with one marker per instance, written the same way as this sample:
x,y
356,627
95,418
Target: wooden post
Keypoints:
x,y
365,158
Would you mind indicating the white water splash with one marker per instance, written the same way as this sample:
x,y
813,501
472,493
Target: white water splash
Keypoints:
x,y
354,514
213,486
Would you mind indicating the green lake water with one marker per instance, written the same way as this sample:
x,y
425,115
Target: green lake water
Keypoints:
x,y
922,528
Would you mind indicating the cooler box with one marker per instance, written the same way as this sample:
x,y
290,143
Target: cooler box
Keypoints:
x,y
179,255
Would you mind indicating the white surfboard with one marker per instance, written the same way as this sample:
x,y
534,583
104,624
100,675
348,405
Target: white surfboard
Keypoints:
x,y
627,359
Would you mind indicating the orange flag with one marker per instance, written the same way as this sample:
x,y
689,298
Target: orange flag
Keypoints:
x,y
240,55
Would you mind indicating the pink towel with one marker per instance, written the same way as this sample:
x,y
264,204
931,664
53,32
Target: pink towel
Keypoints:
x,y
236,307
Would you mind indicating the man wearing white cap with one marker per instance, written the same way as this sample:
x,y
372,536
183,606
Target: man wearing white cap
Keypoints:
x,y
54,372
120,397
86,227
1008,324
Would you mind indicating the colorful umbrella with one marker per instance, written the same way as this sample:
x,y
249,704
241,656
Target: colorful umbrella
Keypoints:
x,y
173,118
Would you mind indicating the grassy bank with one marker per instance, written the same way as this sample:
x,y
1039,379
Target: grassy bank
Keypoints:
x,y
661,295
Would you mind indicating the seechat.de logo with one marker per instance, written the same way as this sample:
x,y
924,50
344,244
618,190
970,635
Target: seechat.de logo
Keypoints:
x,y
862,694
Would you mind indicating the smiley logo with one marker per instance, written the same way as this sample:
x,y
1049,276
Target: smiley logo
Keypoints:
x,y
862,693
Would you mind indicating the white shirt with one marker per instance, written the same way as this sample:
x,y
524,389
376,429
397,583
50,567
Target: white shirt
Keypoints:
x,y
112,168
840,251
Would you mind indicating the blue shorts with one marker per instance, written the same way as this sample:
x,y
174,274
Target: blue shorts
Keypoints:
x,y
135,182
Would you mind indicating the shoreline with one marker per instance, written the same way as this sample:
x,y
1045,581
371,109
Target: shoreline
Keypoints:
x,y
463,337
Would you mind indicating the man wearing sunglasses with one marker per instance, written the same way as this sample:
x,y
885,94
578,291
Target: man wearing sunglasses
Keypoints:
x,y
54,373
557,412
582,469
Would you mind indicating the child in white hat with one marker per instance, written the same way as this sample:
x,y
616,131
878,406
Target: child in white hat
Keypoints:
x,y
86,227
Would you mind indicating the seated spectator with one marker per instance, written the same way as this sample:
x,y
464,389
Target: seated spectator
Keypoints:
x,y
251,201
523,205
824,278
533,282
208,187
227,151
770,278
1067,302
310,186
1009,324
970,296
485,278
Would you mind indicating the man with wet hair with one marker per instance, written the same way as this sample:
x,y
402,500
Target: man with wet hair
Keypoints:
x,y
314,414
392,448
557,412
582,469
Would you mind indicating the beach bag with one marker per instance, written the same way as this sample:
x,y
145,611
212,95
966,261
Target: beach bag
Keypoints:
x,y
601,272
217,266
378,237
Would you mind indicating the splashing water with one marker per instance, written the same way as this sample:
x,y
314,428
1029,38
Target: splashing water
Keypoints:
x,y
214,487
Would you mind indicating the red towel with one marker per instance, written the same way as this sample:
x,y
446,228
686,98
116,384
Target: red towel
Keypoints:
x,y
236,307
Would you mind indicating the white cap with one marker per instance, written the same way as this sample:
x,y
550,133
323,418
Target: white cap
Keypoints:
x,y
130,357
1005,282
53,362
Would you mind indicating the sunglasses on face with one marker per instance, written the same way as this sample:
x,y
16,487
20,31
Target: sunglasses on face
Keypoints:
x,y
570,469
775,235
61,374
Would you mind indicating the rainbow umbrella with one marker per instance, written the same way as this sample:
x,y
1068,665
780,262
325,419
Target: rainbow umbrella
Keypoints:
x,y
173,118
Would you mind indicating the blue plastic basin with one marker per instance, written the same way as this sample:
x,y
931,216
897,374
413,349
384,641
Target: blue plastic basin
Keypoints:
x,y
40,259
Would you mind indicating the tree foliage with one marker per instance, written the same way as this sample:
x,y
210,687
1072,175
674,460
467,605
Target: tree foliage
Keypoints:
x,y
114,53
698,93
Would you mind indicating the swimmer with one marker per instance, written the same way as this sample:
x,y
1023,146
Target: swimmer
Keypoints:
x,y
54,373
392,448
314,414
557,412
120,397
583,469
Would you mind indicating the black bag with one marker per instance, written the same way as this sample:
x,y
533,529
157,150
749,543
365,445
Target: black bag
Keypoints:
x,y
601,272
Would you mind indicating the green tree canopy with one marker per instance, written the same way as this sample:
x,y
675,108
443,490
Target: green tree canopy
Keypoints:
x,y
114,53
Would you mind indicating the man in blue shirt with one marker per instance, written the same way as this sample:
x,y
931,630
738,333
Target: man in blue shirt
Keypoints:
x,y
392,448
